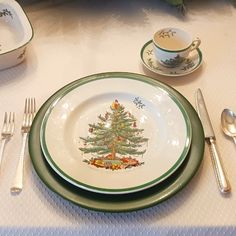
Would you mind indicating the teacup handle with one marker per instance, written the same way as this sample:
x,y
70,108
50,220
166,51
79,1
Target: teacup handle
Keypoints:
x,y
195,44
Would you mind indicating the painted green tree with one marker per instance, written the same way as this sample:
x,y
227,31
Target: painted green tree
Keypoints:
x,y
116,134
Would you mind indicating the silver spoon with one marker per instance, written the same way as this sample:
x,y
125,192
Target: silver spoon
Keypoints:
x,y
228,123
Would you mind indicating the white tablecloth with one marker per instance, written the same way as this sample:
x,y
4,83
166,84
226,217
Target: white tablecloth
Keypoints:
x,y
73,39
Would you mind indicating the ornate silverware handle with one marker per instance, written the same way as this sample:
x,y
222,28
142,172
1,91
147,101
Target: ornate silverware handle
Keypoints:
x,y
2,145
29,112
222,180
18,180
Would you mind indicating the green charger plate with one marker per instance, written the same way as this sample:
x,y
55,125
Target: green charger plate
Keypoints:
x,y
121,202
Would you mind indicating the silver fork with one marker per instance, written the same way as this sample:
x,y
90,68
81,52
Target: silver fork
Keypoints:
x,y
7,131
29,113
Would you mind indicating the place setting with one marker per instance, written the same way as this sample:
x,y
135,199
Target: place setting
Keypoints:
x,y
117,119
131,144
97,148
172,52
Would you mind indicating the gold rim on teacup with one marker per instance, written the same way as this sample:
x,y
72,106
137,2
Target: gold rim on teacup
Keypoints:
x,y
172,46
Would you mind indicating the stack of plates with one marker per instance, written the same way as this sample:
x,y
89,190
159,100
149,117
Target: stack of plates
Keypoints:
x,y
116,142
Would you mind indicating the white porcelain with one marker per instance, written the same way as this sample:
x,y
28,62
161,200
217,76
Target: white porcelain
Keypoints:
x,y
189,65
15,33
172,46
71,122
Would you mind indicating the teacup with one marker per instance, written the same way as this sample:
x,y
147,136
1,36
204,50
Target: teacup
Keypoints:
x,y
172,46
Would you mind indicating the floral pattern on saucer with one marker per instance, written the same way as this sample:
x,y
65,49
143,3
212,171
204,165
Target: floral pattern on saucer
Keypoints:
x,y
188,66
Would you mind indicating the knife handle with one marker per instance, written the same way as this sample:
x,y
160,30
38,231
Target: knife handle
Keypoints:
x,y
222,181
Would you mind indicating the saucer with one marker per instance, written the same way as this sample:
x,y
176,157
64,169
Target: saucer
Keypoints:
x,y
191,64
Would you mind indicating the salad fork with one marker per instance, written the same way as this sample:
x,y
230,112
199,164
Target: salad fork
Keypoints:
x,y
29,113
7,131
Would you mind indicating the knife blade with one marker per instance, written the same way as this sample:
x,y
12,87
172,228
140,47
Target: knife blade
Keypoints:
x,y
221,178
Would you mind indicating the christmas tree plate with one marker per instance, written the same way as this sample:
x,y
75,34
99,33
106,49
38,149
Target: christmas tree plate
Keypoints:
x,y
124,202
126,136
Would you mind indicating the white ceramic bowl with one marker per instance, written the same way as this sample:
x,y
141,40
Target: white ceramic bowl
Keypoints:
x,y
16,32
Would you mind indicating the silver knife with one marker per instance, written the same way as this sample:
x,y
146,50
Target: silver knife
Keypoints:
x,y
221,178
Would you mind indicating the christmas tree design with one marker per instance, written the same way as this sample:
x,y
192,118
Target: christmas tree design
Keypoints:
x,y
115,140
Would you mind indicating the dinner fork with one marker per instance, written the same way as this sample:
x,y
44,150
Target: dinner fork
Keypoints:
x,y
29,113
7,131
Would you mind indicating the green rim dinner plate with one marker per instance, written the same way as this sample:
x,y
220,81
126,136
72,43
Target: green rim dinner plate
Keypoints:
x,y
120,112
121,202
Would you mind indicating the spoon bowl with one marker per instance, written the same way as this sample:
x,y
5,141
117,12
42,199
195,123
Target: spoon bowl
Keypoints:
x,y
228,123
